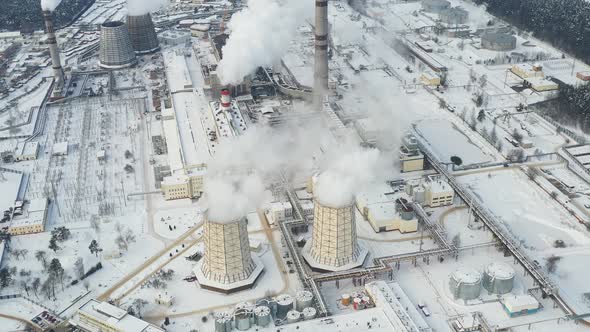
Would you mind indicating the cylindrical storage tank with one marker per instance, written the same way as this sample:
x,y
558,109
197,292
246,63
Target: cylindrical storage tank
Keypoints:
x,y
116,50
223,322
366,300
346,299
309,313
262,315
498,278
293,316
419,194
245,305
284,305
242,320
303,299
465,283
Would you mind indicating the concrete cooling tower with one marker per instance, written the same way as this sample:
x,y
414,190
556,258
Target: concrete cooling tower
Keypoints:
x,y
143,34
334,245
228,265
115,46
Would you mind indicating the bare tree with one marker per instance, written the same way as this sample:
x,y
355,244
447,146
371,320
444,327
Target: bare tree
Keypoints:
x,y
79,268
35,286
41,256
551,263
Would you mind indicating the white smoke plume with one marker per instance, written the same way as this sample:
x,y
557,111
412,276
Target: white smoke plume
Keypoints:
x,y
349,169
260,36
142,7
50,4
242,168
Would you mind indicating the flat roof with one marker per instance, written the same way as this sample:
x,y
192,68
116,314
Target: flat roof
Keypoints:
x,y
108,313
10,183
28,148
34,214
60,148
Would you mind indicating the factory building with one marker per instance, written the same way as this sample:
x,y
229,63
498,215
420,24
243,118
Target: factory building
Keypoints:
x,y
386,212
334,245
454,16
435,6
519,305
31,217
497,41
116,50
410,156
228,265
102,316
184,184
200,30
430,78
143,34
433,192
526,70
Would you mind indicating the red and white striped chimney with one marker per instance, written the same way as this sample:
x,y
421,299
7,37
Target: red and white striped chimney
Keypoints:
x,y
225,99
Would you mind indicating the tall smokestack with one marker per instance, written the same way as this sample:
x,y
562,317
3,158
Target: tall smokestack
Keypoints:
x,y
320,74
58,72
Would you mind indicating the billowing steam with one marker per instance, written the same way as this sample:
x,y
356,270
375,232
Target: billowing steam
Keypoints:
x,y
260,35
347,170
142,7
242,168
50,4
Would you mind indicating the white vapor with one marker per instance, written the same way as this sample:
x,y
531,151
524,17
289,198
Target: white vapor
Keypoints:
x,y
348,169
242,169
50,4
260,36
142,7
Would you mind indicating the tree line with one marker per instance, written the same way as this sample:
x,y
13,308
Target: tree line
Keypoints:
x,y
566,24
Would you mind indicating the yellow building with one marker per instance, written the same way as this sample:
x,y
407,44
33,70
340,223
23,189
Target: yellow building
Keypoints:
x,y
526,70
32,220
410,156
438,193
540,84
430,78
385,217
184,184
102,316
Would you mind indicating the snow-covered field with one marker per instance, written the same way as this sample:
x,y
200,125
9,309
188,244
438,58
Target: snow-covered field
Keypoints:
x,y
537,221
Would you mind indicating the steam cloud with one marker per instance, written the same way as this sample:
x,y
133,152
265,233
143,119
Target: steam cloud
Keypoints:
x,y
142,7
241,170
261,33
347,170
50,4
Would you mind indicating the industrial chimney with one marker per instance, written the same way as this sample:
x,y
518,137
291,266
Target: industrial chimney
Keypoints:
x,y
228,265
320,73
58,72
334,245
225,100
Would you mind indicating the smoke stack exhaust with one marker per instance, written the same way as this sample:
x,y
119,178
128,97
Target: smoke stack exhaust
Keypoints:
x,y
320,74
58,72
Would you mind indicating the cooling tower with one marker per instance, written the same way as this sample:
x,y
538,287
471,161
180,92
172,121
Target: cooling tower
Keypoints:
x,y
333,246
58,72
115,46
228,265
320,73
143,34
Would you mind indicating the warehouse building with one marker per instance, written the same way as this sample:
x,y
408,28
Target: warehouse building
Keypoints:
x,y
496,41
527,70
102,316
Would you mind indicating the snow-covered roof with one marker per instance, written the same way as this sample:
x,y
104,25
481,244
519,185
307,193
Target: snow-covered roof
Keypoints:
x,y
517,303
60,148
116,317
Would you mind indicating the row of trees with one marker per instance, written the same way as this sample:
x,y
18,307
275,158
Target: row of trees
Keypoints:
x,y
575,103
563,23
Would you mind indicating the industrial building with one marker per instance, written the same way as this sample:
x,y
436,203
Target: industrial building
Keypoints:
x,y
26,151
527,70
102,316
497,41
454,16
385,212
410,156
228,265
184,184
116,50
143,34
430,78
334,245
583,75
540,84
518,305
174,37
31,217
433,192
465,283
435,6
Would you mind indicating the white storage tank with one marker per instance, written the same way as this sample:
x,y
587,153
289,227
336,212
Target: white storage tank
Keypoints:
x,y
223,322
419,194
262,314
284,305
465,283
303,299
293,316
309,313
498,278
242,320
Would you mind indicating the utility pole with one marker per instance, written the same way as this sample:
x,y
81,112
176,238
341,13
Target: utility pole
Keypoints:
x,y
123,190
